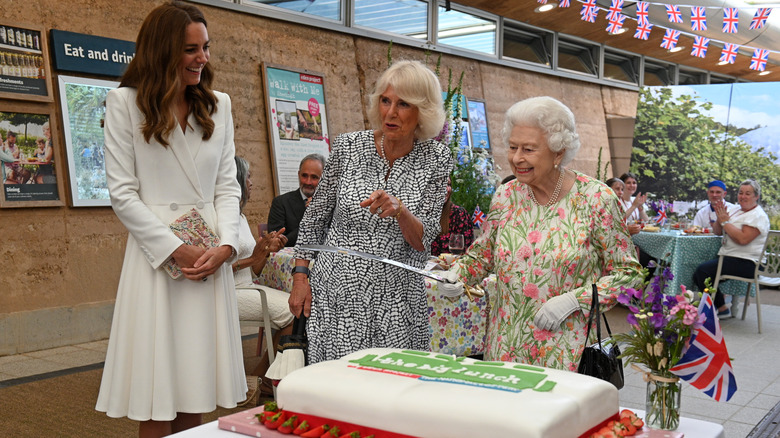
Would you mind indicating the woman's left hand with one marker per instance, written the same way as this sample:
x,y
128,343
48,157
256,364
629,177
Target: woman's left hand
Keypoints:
x,y
208,263
382,204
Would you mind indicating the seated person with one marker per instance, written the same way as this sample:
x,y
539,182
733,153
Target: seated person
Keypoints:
x,y
706,217
252,256
454,219
628,201
17,175
287,209
618,186
744,228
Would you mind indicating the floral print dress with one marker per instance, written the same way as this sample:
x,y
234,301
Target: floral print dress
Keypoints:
x,y
540,252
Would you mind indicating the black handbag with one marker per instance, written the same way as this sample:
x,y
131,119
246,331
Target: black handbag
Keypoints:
x,y
602,359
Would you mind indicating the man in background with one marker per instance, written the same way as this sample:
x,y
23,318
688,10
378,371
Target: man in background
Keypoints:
x,y
716,190
287,209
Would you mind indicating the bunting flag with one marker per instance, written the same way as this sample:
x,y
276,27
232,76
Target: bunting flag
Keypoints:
x,y
758,61
674,14
478,218
587,5
590,15
699,18
661,217
670,39
616,23
730,20
643,31
700,46
616,10
641,13
759,20
564,3
706,364
729,53
544,2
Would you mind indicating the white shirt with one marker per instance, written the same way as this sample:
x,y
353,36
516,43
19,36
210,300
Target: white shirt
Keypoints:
x,y
634,216
706,215
756,218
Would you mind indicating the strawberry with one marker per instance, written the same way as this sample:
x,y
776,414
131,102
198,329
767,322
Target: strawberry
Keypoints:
x,y
334,432
316,432
629,428
353,434
302,427
275,421
270,406
269,410
635,420
288,426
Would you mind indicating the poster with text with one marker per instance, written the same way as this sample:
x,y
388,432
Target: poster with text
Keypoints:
x,y
297,121
28,161
83,109
24,63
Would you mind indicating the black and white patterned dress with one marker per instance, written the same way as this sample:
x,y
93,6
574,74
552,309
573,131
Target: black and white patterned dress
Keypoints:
x,y
358,303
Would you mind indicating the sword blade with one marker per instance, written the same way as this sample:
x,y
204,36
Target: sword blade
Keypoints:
x,y
365,255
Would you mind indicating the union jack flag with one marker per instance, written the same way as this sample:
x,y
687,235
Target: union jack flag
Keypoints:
x,y
643,30
758,61
616,23
615,10
700,46
729,53
564,3
674,14
698,18
641,12
660,217
478,217
705,364
670,39
590,15
587,5
759,20
544,2
730,20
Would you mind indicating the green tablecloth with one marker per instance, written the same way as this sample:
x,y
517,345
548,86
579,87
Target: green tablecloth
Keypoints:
x,y
684,253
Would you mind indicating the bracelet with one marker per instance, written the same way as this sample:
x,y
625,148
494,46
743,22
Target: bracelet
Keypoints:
x,y
400,208
723,224
238,266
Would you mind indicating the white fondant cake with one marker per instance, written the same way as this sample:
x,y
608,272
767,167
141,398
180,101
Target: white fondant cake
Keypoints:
x,y
432,395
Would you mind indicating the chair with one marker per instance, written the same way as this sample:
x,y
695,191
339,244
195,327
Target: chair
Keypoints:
x,y
765,270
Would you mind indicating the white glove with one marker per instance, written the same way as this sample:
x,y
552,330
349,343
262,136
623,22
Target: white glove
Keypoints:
x,y
454,289
552,313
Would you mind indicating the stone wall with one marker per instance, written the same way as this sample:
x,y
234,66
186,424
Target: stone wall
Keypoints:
x,y
61,264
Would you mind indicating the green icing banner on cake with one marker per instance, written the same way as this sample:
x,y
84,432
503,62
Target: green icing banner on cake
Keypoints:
x,y
438,367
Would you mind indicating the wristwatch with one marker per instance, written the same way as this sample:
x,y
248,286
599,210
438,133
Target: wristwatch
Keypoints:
x,y
300,270
723,224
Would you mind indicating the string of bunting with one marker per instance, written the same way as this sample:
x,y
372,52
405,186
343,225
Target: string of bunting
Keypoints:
x,y
616,20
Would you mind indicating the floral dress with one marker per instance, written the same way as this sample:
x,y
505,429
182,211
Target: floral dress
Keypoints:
x,y
459,223
359,303
541,252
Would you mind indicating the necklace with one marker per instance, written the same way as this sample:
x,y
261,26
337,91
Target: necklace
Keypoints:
x,y
382,147
554,198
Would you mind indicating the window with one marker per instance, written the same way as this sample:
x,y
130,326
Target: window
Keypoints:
x,y
330,9
403,17
691,77
658,74
577,57
527,44
716,79
466,31
621,67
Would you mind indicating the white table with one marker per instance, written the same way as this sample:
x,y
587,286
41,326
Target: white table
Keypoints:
x,y
690,427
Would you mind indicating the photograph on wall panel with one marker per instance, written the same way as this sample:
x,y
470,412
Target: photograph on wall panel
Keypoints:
x,y
478,123
28,159
24,63
83,109
298,123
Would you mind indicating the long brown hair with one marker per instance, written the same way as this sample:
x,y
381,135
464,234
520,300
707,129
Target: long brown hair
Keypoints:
x,y
154,72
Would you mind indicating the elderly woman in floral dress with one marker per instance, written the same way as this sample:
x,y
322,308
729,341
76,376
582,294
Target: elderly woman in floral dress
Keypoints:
x,y
549,235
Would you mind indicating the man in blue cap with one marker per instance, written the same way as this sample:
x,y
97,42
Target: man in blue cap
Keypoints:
x,y
716,190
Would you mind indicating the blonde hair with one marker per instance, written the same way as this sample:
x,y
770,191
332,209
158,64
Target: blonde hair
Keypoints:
x,y
417,85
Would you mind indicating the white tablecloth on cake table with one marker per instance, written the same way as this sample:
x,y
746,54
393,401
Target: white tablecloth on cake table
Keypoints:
x,y
690,427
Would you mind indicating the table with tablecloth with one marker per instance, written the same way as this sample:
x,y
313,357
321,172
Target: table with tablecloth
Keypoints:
x,y
684,253
457,326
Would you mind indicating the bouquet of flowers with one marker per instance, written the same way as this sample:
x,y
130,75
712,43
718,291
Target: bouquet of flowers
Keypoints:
x,y
662,327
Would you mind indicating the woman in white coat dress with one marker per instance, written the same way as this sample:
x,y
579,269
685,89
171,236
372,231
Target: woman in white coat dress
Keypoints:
x,y
175,346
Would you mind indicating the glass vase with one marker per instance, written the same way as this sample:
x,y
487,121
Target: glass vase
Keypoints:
x,y
662,406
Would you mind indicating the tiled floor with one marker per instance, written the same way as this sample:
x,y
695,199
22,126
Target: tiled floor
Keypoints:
x,y
755,360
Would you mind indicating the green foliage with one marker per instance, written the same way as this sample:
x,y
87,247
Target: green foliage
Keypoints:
x,y
601,176
678,150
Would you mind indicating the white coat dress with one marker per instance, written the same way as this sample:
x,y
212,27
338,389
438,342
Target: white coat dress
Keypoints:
x,y
175,345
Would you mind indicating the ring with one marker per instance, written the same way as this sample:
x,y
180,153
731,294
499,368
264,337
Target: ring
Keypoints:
x,y
379,210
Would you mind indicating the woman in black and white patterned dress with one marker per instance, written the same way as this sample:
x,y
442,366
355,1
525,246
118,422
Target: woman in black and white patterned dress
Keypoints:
x,y
382,192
